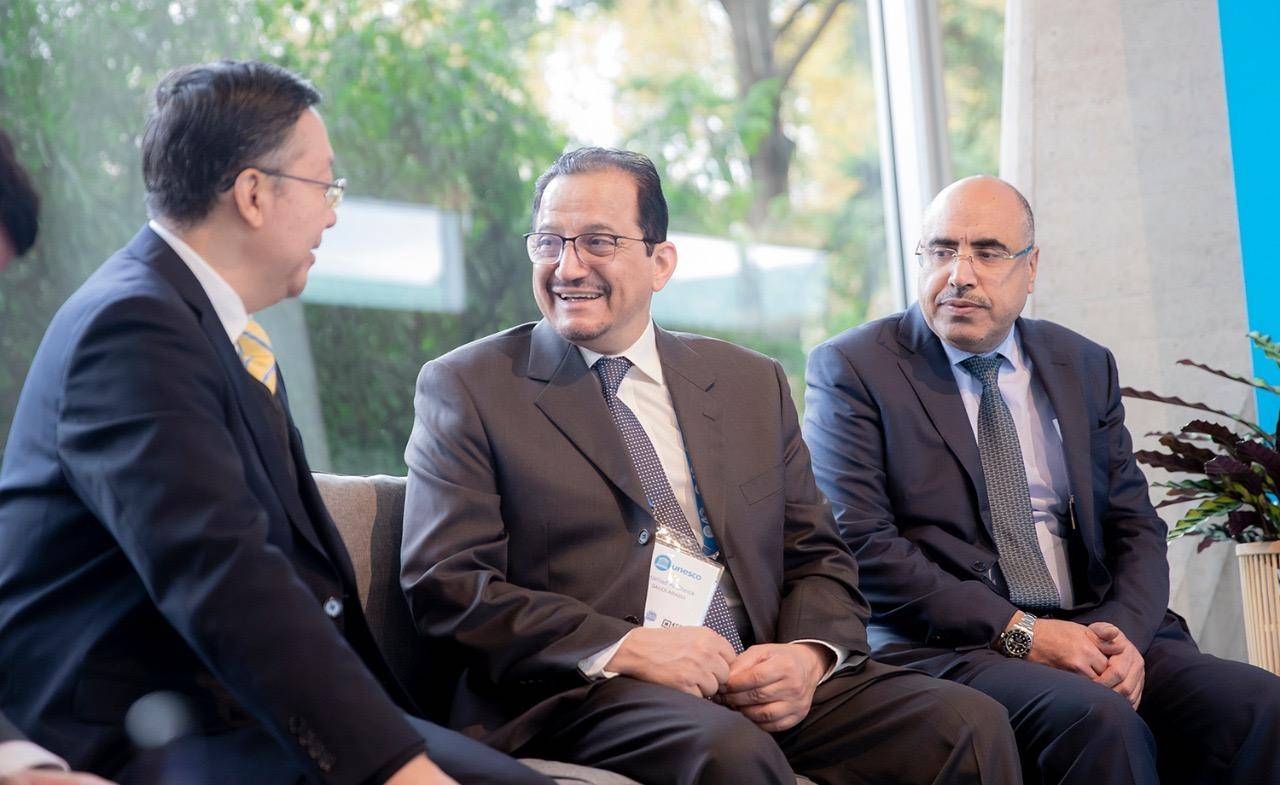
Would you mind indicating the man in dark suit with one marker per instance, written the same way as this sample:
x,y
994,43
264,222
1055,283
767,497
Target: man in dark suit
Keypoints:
x,y
980,469
168,564
547,466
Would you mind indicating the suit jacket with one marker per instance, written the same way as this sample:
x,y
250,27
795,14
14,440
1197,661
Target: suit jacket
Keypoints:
x,y
159,534
527,535
894,451
8,732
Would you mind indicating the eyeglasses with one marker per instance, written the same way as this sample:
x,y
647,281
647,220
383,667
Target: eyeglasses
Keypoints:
x,y
332,190
984,258
592,247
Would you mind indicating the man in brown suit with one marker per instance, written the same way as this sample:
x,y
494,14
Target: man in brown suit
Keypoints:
x,y
544,464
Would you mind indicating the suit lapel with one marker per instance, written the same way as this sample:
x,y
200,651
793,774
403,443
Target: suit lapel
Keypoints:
x,y
159,256
929,372
1063,386
689,382
573,402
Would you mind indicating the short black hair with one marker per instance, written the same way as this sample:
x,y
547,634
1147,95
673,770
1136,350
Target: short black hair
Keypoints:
x,y
210,122
651,203
19,202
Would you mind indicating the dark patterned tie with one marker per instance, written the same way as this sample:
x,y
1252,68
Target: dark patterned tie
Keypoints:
x,y
662,500
1030,585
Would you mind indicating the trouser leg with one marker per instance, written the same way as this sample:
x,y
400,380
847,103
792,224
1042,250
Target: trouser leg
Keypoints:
x,y
883,724
660,736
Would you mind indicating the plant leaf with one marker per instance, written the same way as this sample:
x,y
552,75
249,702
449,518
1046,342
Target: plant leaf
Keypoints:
x,y
1261,384
1218,432
1208,540
1187,450
1240,520
1173,400
1263,455
1268,347
1235,471
1173,463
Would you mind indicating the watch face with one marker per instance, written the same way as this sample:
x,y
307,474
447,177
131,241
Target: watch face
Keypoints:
x,y
1017,643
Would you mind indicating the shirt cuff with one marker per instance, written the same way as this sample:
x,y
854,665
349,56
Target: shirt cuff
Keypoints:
x,y
841,652
21,755
592,667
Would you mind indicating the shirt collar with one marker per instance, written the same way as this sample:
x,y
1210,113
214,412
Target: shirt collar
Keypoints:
x,y
226,303
643,354
1010,348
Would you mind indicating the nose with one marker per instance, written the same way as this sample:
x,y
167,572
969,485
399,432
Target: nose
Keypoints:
x,y
333,218
962,274
570,267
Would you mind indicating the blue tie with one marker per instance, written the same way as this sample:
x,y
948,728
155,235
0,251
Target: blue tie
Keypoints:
x,y
662,500
1021,560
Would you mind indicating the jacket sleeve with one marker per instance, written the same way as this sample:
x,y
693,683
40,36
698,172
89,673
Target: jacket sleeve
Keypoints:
x,y
820,596
1133,534
846,430
144,438
454,557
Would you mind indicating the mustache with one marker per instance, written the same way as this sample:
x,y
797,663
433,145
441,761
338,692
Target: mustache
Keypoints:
x,y
955,295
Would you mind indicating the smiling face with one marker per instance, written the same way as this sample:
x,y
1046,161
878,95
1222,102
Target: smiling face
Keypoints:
x,y
604,307
969,307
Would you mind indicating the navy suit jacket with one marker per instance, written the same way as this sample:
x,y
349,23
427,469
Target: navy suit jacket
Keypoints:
x,y
158,534
895,453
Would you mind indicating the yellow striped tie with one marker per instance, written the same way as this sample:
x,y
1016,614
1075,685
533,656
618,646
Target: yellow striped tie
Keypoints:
x,y
255,352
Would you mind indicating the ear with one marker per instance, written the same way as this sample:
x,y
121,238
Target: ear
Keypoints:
x,y
664,264
1033,263
249,194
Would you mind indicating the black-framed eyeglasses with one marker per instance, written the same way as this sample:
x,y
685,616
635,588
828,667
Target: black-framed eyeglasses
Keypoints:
x,y
592,247
988,258
332,190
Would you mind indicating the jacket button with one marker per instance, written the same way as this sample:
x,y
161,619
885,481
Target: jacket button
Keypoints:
x,y
333,607
979,566
643,536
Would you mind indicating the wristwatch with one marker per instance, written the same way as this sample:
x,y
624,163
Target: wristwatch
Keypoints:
x,y
1016,641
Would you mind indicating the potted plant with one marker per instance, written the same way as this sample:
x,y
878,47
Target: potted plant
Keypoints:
x,y
1233,487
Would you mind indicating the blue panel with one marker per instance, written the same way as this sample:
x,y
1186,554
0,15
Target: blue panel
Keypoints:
x,y
1248,29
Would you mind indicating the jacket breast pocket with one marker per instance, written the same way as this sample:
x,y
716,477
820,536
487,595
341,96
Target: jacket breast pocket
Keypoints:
x,y
763,485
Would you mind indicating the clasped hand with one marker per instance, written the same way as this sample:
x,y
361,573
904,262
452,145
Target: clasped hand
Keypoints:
x,y
772,684
1100,652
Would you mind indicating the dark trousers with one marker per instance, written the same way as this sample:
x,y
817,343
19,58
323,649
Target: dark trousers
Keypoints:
x,y
876,725
1201,719
249,755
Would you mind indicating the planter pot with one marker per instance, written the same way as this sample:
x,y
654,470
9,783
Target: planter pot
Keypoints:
x,y
1260,589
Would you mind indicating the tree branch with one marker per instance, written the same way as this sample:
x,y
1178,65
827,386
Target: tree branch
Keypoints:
x,y
791,18
789,69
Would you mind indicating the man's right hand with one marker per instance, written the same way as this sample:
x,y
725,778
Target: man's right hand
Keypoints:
x,y
695,660
1067,646
420,771
49,777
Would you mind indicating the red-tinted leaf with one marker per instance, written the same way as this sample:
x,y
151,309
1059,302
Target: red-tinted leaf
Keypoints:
x,y
1236,471
1240,520
1187,450
1218,432
1205,543
1265,456
1172,463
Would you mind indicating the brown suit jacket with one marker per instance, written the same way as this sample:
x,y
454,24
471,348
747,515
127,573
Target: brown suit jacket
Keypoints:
x,y
527,536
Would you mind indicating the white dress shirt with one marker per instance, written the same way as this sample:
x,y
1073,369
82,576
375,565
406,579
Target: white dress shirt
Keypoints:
x,y
645,393
1041,442
20,755
226,303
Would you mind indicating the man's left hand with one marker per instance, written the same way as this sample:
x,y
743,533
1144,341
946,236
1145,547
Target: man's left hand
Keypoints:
x,y
772,684
1126,672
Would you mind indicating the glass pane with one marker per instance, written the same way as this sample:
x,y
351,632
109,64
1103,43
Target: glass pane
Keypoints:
x,y
973,62
442,115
